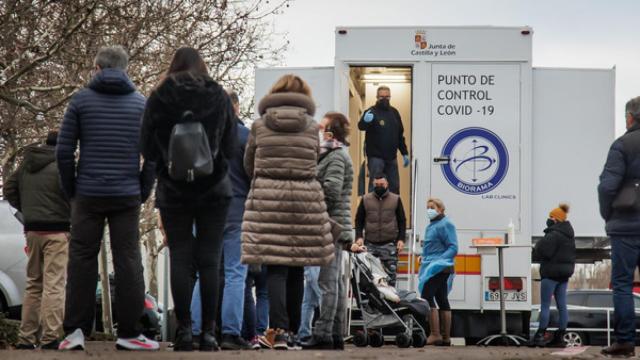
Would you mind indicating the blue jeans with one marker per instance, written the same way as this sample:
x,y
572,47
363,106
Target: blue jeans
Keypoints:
x,y
196,309
235,274
233,294
625,258
310,301
558,290
256,311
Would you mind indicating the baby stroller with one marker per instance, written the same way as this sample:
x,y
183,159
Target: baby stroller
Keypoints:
x,y
383,308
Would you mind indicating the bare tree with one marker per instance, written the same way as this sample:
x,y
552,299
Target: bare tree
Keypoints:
x,y
47,48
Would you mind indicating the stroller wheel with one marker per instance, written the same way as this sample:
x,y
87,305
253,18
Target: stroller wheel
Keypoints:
x,y
376,339
360,339
403,340
419,340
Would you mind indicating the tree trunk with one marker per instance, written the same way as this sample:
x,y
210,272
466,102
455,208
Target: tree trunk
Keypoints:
x,y
151,245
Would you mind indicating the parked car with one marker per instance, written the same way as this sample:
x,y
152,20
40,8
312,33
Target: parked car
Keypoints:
x,y
150,322
590,315
13,262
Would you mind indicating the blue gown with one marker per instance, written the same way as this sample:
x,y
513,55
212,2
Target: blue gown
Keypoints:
x,y
440,249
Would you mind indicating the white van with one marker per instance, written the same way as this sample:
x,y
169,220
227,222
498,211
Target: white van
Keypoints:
x,y
545,133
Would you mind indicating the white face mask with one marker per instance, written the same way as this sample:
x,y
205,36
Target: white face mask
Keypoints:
x,y
432,214
321,135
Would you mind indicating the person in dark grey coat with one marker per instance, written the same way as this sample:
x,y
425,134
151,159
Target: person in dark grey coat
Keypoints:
x,y
335,173
618,181
105,185
556,252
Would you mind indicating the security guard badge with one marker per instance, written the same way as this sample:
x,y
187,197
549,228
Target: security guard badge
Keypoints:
x,y
381,122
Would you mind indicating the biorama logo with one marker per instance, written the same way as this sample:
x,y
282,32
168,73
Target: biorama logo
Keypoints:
x,y
422,47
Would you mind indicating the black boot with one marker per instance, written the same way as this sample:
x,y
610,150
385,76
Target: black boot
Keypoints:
x,y
208,340
558,340
184,337
338,342
538,339
316,343
620,350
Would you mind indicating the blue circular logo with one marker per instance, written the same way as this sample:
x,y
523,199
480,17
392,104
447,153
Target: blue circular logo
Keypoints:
x,y
478,161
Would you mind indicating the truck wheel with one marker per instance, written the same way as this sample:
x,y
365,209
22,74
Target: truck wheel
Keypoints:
x,y
376,339
360,339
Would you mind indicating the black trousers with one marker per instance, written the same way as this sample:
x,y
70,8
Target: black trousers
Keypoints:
x,y
88,215
189,254
436,290
286,289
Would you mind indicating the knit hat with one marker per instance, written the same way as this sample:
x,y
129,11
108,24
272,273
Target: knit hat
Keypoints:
x,y
560,213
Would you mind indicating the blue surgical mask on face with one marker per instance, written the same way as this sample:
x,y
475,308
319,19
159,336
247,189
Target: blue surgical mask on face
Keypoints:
x,y
432,214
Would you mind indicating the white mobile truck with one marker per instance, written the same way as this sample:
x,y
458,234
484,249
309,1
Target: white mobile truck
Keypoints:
x,y
497,140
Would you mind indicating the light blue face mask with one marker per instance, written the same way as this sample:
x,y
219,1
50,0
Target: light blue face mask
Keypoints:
x,y
432,214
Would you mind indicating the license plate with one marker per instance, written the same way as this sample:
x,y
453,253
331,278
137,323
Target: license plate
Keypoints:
x,y
508,296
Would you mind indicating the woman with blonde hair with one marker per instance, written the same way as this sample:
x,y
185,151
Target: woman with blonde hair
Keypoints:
x,y
437,271
285,225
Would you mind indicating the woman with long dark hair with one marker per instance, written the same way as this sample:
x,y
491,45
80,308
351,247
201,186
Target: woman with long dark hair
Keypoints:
x,y
188,96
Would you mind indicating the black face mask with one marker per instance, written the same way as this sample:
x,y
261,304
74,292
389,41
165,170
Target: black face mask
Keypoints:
x,y
379,190
550,222
383,103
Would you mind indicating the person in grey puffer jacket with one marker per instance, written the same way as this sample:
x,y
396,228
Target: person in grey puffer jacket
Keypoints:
x,y
335,173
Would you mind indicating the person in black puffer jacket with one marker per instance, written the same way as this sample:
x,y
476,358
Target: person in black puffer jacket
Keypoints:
x,y
203,201
556,252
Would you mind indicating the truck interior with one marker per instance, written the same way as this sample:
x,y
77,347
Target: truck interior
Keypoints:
x,y
363,84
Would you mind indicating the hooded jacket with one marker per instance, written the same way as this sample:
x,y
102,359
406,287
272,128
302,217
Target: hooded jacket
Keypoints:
x,y
286,220
34,190
335,173
211,106
556,252
105,119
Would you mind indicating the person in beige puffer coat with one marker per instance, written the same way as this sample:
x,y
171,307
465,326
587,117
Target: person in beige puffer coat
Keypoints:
x,y
285,225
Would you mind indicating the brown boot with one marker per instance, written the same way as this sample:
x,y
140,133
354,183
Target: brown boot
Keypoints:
x,y
434,326
445,327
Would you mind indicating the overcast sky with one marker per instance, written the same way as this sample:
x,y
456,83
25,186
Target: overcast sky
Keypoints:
x,y
567,33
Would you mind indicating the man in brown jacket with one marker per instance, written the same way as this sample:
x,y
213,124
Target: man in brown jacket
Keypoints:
x,y
381,219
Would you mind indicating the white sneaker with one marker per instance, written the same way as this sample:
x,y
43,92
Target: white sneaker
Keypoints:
x,y
73,341
141,343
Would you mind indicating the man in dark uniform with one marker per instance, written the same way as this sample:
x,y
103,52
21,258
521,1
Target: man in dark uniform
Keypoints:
x,y
384,136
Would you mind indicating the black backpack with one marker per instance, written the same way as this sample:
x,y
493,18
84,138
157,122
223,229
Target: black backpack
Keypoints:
x,y
189,156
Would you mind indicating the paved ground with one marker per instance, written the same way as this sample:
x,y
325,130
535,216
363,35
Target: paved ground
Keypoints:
x,y
101,350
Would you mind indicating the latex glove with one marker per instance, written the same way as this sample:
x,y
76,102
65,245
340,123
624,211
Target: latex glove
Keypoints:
x,y
368,116
405,159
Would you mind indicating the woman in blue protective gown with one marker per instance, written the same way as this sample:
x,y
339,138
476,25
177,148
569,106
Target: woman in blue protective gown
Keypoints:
x,y
437,271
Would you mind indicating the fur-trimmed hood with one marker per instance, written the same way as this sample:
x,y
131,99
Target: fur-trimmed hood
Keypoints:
x,y
287,112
